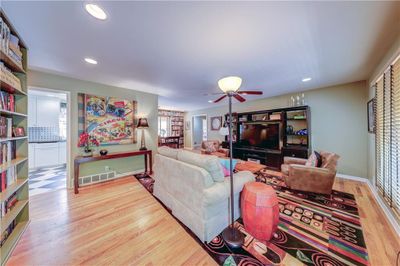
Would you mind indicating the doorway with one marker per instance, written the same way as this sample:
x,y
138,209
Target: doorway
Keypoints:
x,y
199,130
48,136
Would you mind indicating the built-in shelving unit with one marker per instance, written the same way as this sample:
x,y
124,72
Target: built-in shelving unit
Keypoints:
x,y
174,137
14,185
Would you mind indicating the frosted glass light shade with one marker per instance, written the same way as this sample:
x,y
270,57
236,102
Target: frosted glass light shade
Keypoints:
x,y
230,84
224,131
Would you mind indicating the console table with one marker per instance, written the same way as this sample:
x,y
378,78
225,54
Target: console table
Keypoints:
x,y
81,159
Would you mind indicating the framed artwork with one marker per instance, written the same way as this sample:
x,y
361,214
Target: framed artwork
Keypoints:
x,y
187,125
371,115
216,122
110,120
19,132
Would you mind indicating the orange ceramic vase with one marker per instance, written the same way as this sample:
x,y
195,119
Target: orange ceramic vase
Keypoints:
x,y
260,210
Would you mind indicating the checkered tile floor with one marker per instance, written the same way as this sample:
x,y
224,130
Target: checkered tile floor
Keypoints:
x,y
46,179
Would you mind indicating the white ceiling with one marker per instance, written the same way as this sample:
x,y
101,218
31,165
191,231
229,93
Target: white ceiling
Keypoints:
x,y
180,49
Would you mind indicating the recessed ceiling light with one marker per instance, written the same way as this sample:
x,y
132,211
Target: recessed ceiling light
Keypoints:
x,y
90,61
306,79
96,11
210,101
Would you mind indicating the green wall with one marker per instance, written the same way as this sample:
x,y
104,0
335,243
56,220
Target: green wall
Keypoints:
x,y
147,107
338,122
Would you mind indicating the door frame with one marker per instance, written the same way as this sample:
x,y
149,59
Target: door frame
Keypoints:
x,y
69,179
192,129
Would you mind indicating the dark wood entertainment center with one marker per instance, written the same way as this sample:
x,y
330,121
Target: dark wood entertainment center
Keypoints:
x,y
293,137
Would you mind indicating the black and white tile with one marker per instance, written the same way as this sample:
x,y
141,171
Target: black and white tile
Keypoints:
x,y
47,179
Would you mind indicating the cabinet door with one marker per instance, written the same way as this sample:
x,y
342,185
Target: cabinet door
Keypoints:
x,y
31,155
31,111
47,111
46,154
62,152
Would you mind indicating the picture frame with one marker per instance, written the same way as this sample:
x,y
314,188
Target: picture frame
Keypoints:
x,y
216,123
371,115
19,132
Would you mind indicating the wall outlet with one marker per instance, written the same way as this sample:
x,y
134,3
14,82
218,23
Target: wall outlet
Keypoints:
x,y
107,168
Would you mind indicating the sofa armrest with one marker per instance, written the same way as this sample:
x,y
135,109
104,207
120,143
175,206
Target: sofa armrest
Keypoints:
x,y
294,160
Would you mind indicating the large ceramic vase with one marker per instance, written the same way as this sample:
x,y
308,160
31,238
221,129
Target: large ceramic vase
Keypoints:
x,y
260,210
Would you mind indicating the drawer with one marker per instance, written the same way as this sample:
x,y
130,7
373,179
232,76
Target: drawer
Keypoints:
x,y
295,153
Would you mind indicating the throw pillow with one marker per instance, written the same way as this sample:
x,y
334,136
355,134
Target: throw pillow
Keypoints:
x,y
314,160
226,166
210,147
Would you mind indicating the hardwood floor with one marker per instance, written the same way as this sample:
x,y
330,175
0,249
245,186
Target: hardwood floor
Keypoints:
x,y
120,223
115,223
382,241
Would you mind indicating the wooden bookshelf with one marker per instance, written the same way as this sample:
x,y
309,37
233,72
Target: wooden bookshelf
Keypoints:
x,y
19,213
175,138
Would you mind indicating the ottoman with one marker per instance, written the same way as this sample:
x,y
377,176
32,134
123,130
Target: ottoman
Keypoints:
x,y
260,210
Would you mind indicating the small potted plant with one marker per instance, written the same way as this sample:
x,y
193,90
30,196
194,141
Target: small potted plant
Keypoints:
x,y
87,142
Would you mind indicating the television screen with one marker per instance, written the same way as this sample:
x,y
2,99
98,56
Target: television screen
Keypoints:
x,y
260,135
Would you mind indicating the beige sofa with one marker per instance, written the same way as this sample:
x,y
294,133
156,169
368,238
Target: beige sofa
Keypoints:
x,y
194,188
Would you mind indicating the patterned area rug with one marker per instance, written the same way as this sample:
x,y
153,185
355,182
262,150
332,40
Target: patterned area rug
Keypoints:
x,y
314,229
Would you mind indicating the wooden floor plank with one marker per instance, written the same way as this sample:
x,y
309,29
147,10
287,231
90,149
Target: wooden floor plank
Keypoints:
x,y
120,223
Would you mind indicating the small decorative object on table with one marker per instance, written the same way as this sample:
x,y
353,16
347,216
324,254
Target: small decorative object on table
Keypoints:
x,y
103,152
87,142
19,132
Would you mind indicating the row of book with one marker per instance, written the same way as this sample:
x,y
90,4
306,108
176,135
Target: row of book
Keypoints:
x,y
8,151
7,205
7,101
9,43
6,127
7,178
8,77
7,232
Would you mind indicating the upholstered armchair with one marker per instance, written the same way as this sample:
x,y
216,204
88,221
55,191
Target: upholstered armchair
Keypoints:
x,y
298,176
213,147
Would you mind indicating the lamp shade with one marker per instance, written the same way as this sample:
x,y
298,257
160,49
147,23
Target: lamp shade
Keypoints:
x,y
224,131
142,123
230,84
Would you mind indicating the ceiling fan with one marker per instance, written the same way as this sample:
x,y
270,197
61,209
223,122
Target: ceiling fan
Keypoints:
x,y
230,87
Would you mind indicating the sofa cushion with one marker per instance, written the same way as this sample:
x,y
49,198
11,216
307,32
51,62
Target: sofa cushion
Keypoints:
x,y
210,147
225,163
314,160
329,160
168,152
208,162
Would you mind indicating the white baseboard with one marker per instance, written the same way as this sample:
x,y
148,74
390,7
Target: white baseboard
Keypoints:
x,y
379,200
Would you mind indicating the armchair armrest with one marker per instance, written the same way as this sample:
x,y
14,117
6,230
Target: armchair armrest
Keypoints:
x,y
225,151
302,170
294,160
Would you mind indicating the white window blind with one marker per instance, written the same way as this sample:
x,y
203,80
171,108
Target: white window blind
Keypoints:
x,y
387,136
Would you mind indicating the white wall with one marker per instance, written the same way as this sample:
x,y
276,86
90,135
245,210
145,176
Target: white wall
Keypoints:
x,y
338,122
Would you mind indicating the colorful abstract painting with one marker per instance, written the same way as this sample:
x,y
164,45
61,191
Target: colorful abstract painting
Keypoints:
x,y
110,120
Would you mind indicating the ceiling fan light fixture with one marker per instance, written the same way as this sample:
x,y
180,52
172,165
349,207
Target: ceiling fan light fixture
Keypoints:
x,y
230,84
96,11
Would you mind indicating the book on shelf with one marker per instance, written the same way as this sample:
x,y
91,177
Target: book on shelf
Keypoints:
x,y
7,151
9,43
7,205
7,101
7,232
7,76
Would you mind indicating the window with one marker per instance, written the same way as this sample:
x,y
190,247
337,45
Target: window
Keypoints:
x,y
164,126
387,138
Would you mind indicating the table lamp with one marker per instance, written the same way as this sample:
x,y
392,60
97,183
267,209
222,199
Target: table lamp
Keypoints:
x,y
142,123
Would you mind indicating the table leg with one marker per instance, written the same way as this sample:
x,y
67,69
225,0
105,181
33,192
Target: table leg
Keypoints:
x,y
151,162
145,163
76,178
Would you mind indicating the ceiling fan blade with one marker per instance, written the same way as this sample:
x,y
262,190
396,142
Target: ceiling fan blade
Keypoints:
x,y
239,98
220,99
213,93
251,92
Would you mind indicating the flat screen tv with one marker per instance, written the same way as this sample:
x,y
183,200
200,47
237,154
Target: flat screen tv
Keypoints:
x,y
260,135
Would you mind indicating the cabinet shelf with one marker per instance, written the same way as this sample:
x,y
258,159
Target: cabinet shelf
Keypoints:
x,y
10,89
12,163
9,113
12,138
11,215
4,195
10,63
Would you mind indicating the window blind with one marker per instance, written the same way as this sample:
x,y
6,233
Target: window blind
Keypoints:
x,y
387,137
